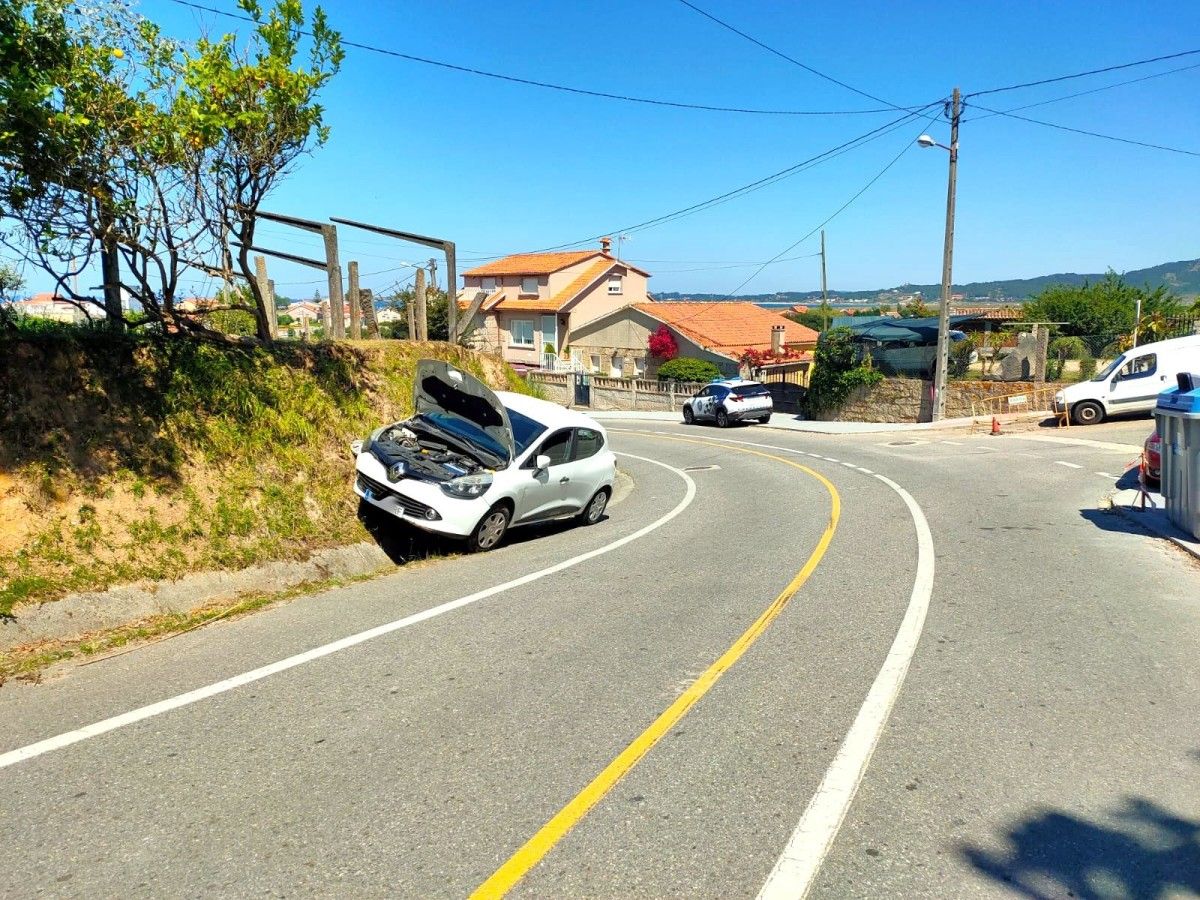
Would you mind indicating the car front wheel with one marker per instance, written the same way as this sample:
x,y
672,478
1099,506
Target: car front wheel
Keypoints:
x,y
593,512
1089,412
490,530
689,417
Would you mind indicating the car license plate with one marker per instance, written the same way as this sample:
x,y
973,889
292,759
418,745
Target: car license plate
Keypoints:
x,y
367,494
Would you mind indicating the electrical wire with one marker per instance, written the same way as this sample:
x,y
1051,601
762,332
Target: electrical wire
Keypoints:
x,y
1095,134
1129,65
1106,87
792,60
469,70
752,186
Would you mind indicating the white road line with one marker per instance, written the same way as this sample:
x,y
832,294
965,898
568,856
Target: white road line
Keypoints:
x,y
155,709
1107,475
801,860
829,459
953,443
1059,462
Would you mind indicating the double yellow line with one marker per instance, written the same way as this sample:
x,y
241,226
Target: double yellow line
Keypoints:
x,y
532,852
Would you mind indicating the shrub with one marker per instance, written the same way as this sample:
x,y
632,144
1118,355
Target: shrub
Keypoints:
x,y
836,372
1087,368
662,344
686,368
960,357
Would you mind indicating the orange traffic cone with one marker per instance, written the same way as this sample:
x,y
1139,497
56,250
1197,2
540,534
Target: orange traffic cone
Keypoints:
x,y
995,425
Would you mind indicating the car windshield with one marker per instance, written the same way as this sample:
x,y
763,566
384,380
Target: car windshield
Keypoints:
x,y
525,430
1110,368
464,432
751,390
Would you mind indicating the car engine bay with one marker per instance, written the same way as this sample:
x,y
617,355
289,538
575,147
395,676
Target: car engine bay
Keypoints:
x,y
408,453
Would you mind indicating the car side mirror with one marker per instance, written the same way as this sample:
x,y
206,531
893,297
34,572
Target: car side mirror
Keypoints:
x,y
541,462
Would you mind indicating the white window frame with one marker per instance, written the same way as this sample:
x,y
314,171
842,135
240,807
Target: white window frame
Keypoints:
x,y
614,283
488,284
526,280
617,365
512,332
638,369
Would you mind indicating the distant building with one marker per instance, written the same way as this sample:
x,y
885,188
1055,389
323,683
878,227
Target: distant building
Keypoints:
x,y
49,306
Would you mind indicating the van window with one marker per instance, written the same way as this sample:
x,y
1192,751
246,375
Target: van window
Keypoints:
x,y
1107,371
1140,366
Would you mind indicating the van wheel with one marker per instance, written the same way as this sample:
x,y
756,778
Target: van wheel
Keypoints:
x,y
490,530
1087,412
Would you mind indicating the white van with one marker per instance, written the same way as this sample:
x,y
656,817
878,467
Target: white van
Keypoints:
x,y
1131,382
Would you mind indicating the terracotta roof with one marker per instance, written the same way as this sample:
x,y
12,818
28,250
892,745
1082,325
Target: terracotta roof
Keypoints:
x,y
989,313
532,263
543,263
580,283
727,327
488,301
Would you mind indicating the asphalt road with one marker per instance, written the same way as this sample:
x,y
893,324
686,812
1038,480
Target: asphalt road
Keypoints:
x,y
1044,739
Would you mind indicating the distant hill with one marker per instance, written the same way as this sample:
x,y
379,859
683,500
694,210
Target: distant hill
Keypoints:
x,y
1182,277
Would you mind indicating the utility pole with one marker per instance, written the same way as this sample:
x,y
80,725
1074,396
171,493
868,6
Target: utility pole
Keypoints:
x,y
337,302
268,296
824,287
943,345
422,312
355,305
1137,319
433,273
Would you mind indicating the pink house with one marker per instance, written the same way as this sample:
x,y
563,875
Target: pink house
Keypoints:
x,y
526,304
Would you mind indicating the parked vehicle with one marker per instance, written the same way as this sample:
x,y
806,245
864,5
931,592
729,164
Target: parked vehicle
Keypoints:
x,y
1131,382
1151,466
472,463
730,400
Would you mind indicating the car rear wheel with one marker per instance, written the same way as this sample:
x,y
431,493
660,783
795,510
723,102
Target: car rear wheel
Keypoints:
x,y
765,419
722,419
490,530
1088,412
594,511
689,417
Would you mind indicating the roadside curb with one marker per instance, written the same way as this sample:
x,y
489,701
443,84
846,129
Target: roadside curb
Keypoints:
x,y
809,426
1153,519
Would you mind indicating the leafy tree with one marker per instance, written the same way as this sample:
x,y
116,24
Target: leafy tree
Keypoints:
x,y
688,369
435,311
836,371
1104,307
118,143
916,309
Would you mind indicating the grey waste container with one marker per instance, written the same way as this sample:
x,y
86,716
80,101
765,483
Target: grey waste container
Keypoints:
x,y
1178,415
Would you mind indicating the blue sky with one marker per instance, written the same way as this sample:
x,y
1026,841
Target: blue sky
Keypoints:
x,y
502,167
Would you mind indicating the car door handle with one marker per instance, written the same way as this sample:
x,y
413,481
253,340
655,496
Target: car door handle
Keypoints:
x,y
563,480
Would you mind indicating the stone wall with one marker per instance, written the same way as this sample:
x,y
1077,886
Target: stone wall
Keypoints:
x,y
614,393
911,400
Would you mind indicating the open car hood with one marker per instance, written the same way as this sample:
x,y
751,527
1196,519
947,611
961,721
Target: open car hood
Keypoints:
x,y
440,388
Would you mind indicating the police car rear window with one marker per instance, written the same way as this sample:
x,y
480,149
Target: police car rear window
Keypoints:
x,y
751,390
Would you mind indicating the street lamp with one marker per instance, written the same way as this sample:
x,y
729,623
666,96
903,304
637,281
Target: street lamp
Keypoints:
x,y
943,344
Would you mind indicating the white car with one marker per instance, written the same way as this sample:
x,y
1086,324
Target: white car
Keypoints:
x,y
731,400
472,462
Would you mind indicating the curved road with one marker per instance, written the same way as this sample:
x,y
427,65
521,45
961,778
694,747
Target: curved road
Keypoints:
x,y
676,702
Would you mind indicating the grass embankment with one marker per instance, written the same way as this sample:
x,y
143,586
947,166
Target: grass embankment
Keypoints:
x,y
126,459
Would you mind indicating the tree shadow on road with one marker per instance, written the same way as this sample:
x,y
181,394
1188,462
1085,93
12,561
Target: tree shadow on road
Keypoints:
x,y
1142,852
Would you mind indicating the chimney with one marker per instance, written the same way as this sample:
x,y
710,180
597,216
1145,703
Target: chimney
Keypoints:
x,y
777,332
606,246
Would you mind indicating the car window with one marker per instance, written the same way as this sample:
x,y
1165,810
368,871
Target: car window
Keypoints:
x,y
719,391
525,430
1140,366
704,392
588,442
557,447
751,390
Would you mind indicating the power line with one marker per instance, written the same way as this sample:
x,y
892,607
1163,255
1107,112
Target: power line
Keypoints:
x,y
469,70
735,265
1095,134
1106,87
1129,65
751,186
784,56
866,187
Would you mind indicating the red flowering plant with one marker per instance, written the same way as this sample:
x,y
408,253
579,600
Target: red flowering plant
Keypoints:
x,y
756,359
662,344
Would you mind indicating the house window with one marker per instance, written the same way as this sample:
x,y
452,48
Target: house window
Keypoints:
x,y
614,283
488,284
637,368
618,366
522,332
595,361
529,284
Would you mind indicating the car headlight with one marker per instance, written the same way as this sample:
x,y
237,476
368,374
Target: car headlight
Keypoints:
x,y
1058,397
468,487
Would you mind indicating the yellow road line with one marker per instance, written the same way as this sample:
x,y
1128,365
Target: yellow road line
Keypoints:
x,y
533,851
